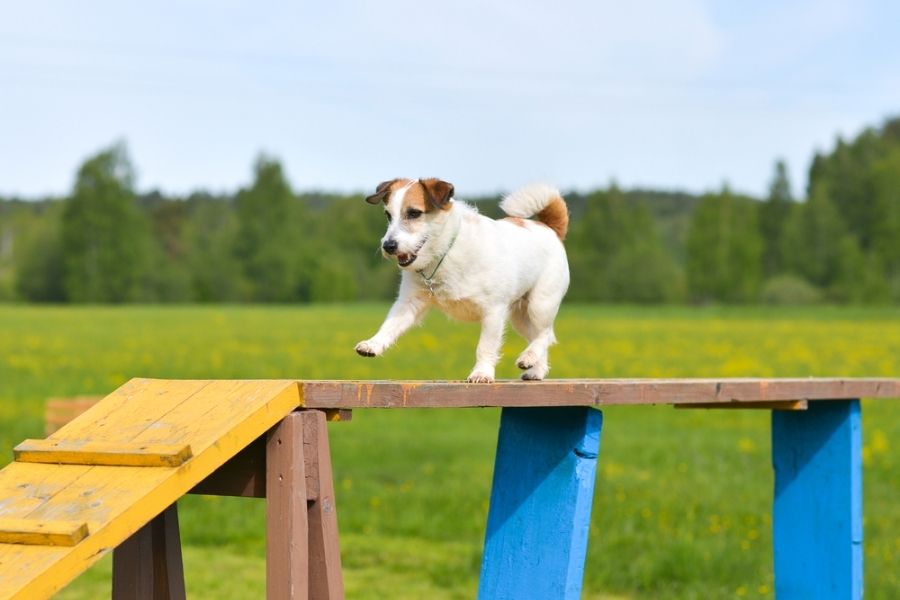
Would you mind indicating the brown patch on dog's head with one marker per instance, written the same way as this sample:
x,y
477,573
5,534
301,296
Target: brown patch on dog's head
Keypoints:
x,y
437,192
382,192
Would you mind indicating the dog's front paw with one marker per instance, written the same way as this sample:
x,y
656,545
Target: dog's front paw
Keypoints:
x,y
480,377
369,348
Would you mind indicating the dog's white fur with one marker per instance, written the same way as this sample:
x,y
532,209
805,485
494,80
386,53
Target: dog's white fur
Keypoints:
x,y
492,270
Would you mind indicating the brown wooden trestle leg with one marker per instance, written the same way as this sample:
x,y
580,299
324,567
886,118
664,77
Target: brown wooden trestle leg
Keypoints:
x,y
291,467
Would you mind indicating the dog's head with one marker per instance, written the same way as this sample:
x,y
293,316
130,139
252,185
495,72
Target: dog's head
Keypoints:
x,y
416,210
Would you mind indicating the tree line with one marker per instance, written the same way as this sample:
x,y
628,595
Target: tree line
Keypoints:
x,y
107,243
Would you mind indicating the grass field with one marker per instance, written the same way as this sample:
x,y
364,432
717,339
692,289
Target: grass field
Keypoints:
x,y
682,498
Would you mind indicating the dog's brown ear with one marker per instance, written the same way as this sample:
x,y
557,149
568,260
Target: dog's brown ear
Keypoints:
x,y
438,192
381,192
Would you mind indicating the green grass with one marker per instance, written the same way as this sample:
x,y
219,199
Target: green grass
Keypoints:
x,y
683,497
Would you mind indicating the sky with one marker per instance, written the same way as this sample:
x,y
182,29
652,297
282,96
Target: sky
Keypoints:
x,y
673,94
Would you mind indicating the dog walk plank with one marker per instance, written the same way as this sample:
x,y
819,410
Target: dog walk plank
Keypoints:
x,y
588,392
215,418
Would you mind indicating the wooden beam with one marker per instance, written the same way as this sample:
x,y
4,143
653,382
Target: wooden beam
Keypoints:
x,y
42,533
148,565
817,517
287,557
774,405
325,575
586,392
541,497
78,452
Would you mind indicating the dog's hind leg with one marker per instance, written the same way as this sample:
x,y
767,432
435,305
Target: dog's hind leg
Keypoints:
x,y
534,320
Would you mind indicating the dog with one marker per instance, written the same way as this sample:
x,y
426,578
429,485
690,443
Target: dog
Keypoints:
x,y
474,268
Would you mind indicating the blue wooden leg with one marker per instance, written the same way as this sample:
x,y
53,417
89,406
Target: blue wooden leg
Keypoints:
x,y
540,508
817,516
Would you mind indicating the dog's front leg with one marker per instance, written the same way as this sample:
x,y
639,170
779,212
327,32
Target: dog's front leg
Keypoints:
x,y
488,351
406,312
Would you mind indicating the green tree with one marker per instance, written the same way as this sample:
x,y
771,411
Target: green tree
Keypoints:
x,y
39,266
268,240
105,238
616,254
819,248
210,234
773,214
885,242
724,249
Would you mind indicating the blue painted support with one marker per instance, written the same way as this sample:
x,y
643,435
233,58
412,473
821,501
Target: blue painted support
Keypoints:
x,y
540,511
817,516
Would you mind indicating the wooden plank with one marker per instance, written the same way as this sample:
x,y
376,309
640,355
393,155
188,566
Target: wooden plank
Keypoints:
x,y
148,565
325,574
87,452
540,508
771,405
43,533
287,560
587,392
217,419
817,514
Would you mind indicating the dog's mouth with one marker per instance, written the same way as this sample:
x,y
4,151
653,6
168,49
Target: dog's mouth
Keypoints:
x,y
404,259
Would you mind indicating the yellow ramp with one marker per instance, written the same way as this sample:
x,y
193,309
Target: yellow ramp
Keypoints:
x,y
96,481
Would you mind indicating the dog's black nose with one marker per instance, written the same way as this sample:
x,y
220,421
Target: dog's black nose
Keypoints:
x,y
390,246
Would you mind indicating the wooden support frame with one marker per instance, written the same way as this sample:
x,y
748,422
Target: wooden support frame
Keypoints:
x,y
816,452
817,511
290,467
540,508
148,565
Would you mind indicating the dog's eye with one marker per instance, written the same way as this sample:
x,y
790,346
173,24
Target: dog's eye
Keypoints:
x,y
388,215
413,213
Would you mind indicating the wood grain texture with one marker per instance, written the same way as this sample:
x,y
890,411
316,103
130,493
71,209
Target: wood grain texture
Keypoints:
x,y
586,392
287,554
817,514
217,419
763,404
540,508
325,574
148,565
89,452
42,533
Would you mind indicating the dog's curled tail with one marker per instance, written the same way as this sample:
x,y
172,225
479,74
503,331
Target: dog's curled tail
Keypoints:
x,y
542,202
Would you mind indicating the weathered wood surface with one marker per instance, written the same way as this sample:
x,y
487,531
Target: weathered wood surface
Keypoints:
x,y
216,418
88,452
817,517
587,392
42,533
148,565
287,526
540,511
325,574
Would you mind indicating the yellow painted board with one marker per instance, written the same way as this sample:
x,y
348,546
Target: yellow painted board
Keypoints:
x,y
125,414
112,454
217,419
43,533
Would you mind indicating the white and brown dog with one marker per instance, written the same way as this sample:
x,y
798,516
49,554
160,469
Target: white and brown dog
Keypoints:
x,y
474,268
